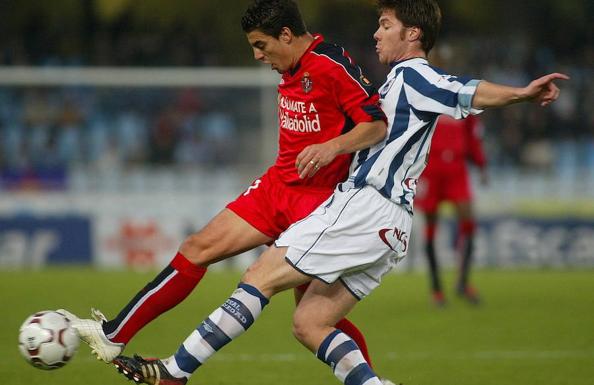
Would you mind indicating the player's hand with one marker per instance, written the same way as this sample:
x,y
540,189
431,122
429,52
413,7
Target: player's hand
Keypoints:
x,y
543,90
314,157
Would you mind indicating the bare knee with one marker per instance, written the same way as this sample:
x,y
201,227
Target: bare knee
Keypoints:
x,y
302,328
256,276
250,276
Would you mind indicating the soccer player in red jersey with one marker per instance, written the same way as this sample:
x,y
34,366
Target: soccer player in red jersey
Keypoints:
x,y
327,110
455,144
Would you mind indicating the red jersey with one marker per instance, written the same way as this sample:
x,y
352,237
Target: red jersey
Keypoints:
x,y
454,143
324,96
446,176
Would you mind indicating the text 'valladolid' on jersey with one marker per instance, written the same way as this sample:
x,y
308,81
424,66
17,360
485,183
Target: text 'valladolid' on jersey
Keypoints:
x,y
324,96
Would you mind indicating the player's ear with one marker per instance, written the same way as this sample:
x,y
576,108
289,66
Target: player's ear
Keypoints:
x,y
414,33
286,35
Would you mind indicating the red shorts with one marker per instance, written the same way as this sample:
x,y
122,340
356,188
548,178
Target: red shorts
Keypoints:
x,y
441,186
271,206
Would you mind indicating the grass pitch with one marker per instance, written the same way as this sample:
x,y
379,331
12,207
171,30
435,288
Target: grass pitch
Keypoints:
x,y
535,327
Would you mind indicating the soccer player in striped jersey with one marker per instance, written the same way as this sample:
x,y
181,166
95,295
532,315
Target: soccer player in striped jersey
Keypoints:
x,y
350,241
327,110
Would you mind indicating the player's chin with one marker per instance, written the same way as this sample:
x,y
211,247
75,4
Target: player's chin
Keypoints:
x,y
279,70
382,59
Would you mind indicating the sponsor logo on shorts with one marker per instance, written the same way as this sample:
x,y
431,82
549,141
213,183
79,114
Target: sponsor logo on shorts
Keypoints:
x,y
410,183
391,237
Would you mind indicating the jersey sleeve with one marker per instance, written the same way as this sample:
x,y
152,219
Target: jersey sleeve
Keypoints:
x,y
355,95
428,90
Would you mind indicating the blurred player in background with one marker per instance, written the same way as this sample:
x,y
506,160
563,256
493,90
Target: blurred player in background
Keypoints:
x,y
358,235
327,110
446,179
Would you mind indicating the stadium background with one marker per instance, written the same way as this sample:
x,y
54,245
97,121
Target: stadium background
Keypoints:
x,y
126,124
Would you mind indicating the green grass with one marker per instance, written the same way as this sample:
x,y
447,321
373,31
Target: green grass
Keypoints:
x,y
535,327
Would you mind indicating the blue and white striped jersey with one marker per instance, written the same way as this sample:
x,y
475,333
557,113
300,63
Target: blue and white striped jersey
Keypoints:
x,y
413,97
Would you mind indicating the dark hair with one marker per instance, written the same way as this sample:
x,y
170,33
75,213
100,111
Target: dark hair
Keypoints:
x,y
271,16
424,14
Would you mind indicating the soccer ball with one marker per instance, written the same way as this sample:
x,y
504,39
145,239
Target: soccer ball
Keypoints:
x,y
47,341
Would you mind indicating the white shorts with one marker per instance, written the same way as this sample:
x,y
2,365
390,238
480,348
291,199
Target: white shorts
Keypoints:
x,y
356,236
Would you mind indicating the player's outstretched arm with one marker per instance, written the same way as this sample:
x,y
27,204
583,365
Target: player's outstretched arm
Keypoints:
x,y
542,90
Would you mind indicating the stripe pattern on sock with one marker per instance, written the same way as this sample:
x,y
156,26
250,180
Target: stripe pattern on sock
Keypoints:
x,y
170,287
157,284
341,353
227,322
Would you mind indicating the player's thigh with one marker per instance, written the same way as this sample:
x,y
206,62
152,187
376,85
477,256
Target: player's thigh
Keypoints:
x,y
226,235
299,291
458,188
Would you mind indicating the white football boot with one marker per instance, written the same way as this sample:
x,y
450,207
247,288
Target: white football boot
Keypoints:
x,y
385,381
91,332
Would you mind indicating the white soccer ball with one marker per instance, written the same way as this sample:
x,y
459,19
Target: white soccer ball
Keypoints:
x,y
47,340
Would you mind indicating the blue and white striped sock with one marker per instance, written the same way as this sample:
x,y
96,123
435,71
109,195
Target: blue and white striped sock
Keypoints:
x,y
342,354
229,321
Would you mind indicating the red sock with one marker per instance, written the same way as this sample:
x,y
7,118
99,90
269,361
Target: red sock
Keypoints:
x,y
467,227
466,230
168,289
349,328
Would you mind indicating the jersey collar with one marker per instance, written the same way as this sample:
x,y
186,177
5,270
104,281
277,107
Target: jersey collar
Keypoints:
x,y
318,39
409,61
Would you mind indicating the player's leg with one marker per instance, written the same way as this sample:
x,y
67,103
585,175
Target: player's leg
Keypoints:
x,y
359,229
269,275
431,219
313,325
457,190
345,325
298,206
465,248
429,191
225,235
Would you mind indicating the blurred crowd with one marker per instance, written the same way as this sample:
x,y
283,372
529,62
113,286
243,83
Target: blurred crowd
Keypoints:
x,y
47,131
559,138
44,131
